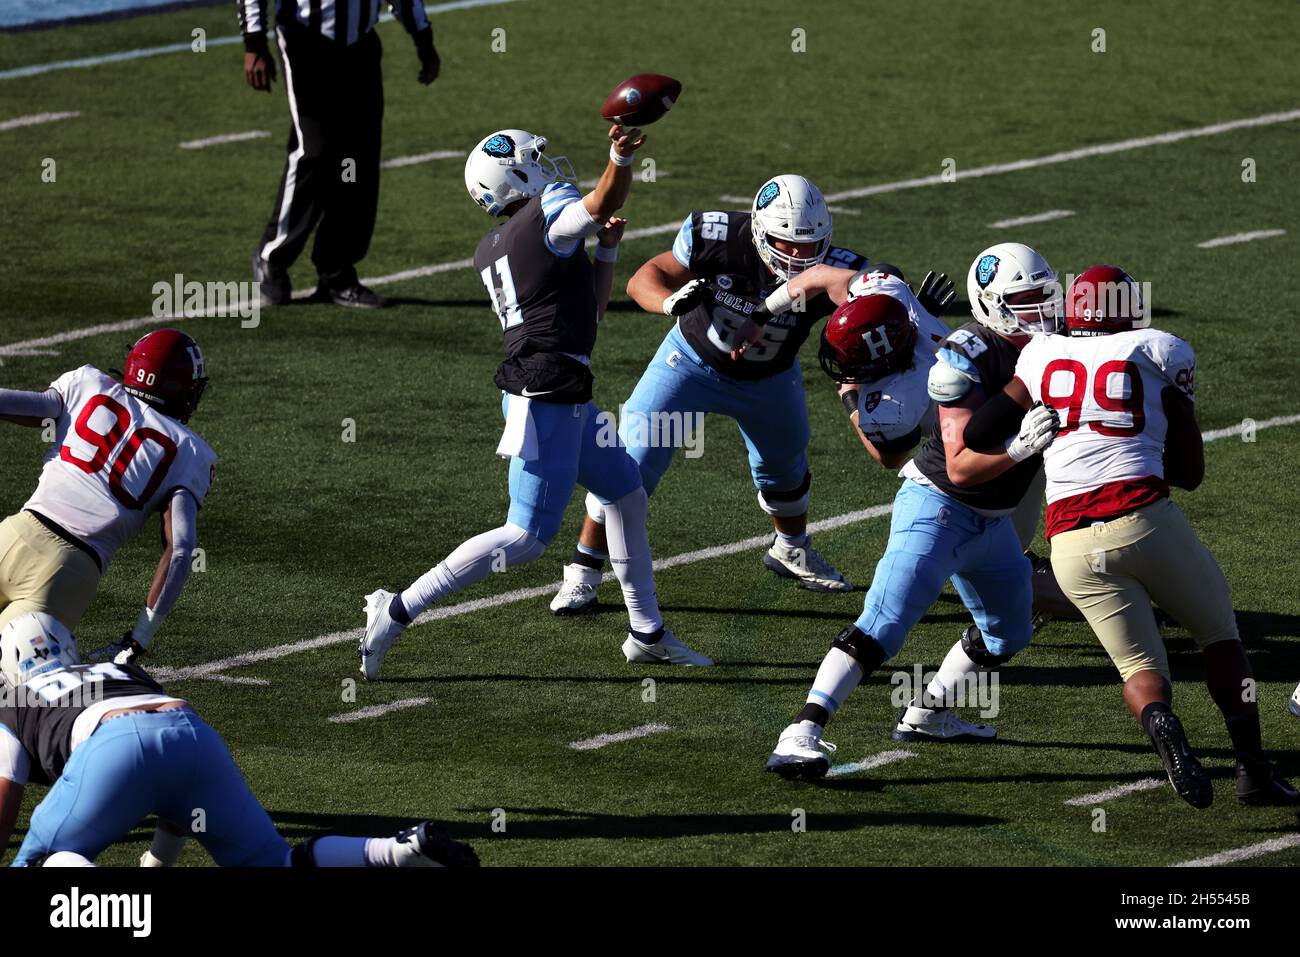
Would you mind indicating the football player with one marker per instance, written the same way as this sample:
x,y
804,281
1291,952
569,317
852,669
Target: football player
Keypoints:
x,y
115,748
1124,393
122,451
945,526
549,298
715,282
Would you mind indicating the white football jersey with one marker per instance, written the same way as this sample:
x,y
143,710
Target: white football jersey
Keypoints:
x,y
895,406
1108,392
115,461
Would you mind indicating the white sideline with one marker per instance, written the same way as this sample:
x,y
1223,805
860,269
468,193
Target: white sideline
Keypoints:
x,y
399,161
37,118
1046,217
375,710
866,764
36,69
1146,784
1240,238
1244,853
600,740
225,138
1103,149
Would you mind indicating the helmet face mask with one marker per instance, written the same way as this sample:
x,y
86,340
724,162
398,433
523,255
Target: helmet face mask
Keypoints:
x,y
1014,291
510,165
790,210
33,644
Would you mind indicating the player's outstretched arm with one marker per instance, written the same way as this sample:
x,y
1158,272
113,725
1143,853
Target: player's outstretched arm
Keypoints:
x,y
1002,421
616,182
180,524
602,271
657,281
31,409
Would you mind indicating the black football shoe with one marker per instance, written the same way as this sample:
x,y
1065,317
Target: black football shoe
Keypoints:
x,y
1189,779
272,282
354,296
1259,785
429,845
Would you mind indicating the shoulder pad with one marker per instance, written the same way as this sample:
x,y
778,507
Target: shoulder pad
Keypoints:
x,y
947,383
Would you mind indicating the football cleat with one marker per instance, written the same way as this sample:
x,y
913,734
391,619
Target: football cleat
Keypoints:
x,y
1260,784
940,724
577,592
798,754
1189,779
381,631
1294,704
273,287
805,565
354,295
666,651
429,845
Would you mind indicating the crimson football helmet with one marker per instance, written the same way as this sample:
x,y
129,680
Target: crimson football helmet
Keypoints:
x,y
165,369
866,339
1104,300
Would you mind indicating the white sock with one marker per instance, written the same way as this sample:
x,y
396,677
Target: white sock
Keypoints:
x,y
796,541
838,675
941,692
472,562
335,851
629,553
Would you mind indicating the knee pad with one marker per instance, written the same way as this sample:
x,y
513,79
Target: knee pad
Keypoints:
x,y
66,859
786,504
595,511
972,642
861,647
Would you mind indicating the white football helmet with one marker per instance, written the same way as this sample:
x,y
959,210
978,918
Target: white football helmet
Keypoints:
x,y
510,165
1008,269
34,643
789,207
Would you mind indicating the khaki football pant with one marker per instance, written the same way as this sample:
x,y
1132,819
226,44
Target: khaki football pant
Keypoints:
x,y
1113,570
41,572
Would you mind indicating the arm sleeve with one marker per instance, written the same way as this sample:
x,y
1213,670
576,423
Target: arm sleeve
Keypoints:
x,y
411,13
684,244
15,765
992,424
567,221
34,405
184,514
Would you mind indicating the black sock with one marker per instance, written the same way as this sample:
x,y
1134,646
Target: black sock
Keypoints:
x,y
1243,729
590,561
397,611
647,637
1150,711
814,713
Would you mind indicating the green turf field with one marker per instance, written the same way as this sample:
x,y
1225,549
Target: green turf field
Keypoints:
x,y
301,524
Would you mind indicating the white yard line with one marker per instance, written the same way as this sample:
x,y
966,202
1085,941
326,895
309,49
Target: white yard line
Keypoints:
x,y
1046,217
866,764
397,162
1146,784
1245,853
1240,238
35,119
601,740
1249,424
225,138
375,710
72,335
38,68
240,680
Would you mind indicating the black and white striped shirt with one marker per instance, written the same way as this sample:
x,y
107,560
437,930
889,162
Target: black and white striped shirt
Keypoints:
x,y
345,21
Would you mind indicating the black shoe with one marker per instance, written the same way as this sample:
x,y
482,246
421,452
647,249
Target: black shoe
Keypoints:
x,y
1260,785
436,847
355,296
272,282
1189,779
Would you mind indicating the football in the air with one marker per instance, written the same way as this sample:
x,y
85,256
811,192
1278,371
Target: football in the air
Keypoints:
x,y
642,99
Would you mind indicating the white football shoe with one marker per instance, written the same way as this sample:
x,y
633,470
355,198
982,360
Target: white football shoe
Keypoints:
x,y
805,565
1294,704
577,592
381,631
666,651
798,753
940,724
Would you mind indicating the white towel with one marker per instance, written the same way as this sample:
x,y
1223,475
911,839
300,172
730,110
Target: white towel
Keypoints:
x,y
519,439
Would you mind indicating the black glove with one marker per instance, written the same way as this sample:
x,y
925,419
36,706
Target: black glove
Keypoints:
x,y
936,293
430,64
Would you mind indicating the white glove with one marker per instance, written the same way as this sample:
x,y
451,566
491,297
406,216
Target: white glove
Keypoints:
x,y
686,298
1037,430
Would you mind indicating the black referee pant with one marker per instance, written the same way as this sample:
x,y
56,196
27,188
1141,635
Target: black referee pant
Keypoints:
x,y
336,103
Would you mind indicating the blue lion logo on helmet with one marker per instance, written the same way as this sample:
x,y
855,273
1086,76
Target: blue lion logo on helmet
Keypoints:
x,y
986,269
768,193
499,145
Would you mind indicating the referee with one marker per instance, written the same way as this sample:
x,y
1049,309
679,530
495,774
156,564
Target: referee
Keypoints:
x,y
331,54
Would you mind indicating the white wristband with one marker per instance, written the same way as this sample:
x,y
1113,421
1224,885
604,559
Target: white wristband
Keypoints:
x,y
606,254
780,300
617,158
